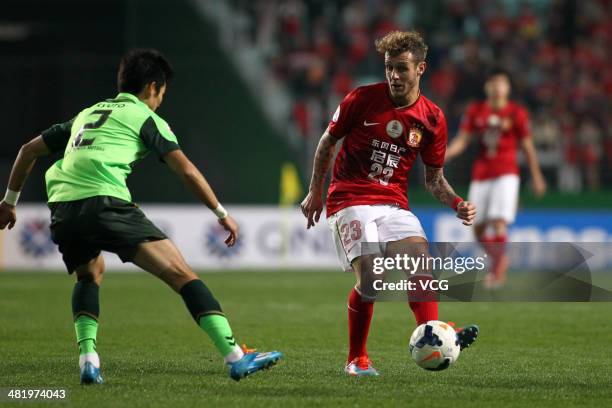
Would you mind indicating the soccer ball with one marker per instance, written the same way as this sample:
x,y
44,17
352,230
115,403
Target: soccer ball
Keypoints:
x,y
434,345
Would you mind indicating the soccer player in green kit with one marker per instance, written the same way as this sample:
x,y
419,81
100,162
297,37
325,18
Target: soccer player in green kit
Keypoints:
x,y
91,208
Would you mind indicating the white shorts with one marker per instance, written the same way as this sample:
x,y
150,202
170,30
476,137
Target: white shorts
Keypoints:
x,y
495,198
370,223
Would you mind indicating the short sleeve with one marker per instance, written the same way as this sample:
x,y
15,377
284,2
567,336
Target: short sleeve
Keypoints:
x,y
345,117
433,152
523,125
57,136
158,137
467,120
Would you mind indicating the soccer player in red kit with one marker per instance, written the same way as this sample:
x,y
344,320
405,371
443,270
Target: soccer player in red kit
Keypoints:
x,y
384,127
500,126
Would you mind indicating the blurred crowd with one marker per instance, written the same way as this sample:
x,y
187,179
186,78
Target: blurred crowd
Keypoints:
x,y
556,50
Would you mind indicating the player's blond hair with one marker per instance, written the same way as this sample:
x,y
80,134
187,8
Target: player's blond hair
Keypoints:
x,y
397,42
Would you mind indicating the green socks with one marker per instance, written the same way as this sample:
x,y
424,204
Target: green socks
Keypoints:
x,y
86,330
201,303
216,326
206,311
218,329
86,309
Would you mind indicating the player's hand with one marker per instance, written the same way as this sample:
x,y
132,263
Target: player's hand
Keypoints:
x,y
312,206
231,226
539,186
466,211
8,215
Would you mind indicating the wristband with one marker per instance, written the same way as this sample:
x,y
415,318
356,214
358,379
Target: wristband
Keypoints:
x,y
11,197
456,202
220,212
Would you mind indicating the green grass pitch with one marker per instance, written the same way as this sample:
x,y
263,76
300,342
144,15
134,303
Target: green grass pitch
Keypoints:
x,y
528,354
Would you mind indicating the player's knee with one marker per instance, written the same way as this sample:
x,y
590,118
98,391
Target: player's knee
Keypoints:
x,y
93,276
85,277
356,265
97,276
92,272
479,230
500,227
358,284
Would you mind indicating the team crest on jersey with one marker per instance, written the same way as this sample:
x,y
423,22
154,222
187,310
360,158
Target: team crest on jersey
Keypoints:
x,y
495,121
414,136
506,124
394,129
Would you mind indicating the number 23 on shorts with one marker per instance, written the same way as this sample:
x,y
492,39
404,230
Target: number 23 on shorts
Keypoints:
x,y
350,231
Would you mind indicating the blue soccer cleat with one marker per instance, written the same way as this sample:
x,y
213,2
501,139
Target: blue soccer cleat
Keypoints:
x,y
252,362
90,374
361,367
467,335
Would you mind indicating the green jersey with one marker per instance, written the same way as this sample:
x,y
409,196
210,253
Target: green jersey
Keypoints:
x,y
100,146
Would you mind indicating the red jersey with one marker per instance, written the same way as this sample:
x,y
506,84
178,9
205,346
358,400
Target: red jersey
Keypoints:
x,y
381,143
498,133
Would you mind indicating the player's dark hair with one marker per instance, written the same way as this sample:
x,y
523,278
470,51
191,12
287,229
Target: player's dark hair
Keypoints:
x,y
495,71
397,42
140,67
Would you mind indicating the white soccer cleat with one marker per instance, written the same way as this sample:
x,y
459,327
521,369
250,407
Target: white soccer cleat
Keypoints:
x,y
361,367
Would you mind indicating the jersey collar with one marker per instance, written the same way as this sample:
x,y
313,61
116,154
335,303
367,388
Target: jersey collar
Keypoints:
x,y
403,106
128,96
499,109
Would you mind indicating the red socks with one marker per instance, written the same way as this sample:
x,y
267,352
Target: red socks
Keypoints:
x,y
424,311
359,318
424,303
496,248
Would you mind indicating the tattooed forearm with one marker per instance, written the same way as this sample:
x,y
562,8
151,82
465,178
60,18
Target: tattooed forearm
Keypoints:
x,y
323,156
437,185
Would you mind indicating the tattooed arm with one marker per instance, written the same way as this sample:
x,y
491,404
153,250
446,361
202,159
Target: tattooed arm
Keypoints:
x,y
312,206
437,185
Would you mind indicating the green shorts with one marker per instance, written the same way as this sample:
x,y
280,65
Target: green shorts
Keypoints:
x,y
85,227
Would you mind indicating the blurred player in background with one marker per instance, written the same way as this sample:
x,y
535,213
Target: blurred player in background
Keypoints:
x,y
500,126
91,208
384,127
